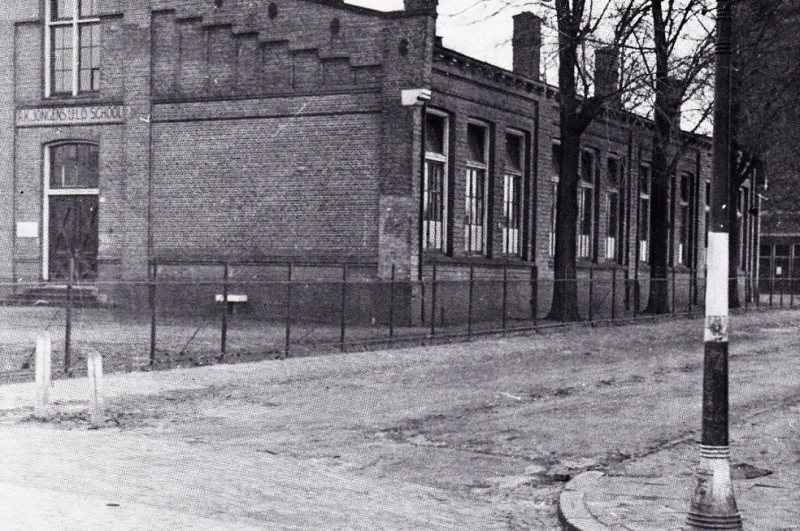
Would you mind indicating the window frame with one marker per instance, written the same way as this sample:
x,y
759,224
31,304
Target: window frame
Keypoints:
x,y
587,189
478,245
518,177
48,191
76,22
555,153
440,243
614,241
684,201
645,175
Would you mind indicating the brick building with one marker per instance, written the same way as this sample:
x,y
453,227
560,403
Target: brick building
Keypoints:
x,y
313,131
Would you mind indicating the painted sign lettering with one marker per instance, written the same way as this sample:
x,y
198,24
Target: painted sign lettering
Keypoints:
x,y
95,114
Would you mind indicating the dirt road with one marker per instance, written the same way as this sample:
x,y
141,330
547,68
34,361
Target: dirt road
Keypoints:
x,y
482,433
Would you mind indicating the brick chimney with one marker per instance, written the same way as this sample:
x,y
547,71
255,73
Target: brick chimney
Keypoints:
x,y
527,43
421,6
606,74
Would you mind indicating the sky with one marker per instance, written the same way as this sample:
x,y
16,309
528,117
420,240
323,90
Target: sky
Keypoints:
x,y
467,27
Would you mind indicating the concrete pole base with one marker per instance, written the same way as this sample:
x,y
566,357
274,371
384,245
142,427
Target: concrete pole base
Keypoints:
x,y
713,504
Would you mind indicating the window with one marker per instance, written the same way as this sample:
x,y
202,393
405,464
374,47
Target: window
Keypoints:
x,y
644,212
73,41
614,232
744,227
512,194
684,196
475,221
707,210
586,204
556,158
434,182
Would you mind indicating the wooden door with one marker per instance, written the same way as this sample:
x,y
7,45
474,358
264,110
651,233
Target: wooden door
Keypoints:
x,y
73,234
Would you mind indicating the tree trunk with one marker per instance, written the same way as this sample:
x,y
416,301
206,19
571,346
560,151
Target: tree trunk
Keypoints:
x,y
565,288
666,118
734,250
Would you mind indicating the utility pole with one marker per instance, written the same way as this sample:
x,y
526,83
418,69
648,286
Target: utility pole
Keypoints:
x,y
713,504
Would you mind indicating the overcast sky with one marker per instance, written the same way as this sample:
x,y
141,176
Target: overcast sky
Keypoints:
x,y
466,28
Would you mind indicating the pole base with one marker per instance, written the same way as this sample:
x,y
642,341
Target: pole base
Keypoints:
x,y
713,504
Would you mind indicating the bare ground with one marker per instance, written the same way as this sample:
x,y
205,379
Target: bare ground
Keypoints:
x,y
493,427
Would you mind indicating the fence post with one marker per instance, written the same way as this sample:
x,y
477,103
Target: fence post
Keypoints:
x,y
614,294
343,321
94,362
153,310
288,311
505,294
43,373
68,319
391,303
224,334
469,302
781,287
689,302
791,283
591,291
771,280
674,288
433,301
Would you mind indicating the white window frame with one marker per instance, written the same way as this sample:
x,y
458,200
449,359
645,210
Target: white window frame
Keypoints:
x,y
613,190
47,193
683,204
76,22
554,207
586,241
444,160
512,238
644,239
476,236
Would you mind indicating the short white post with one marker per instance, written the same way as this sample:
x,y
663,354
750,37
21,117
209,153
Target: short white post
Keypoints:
x,y
96,402
43,373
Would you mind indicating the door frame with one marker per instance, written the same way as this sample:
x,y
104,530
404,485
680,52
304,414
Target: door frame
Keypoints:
x,y
48,192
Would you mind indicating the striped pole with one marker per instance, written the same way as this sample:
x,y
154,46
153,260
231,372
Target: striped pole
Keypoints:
x,y
713,504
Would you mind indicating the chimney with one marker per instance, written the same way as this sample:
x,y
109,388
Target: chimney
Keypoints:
x,y
526,43
606,74
422,6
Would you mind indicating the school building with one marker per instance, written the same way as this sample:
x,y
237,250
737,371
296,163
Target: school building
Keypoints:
x,y
312,132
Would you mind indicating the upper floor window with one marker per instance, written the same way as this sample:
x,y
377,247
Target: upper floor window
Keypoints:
x,y
434,182
73,43
476,215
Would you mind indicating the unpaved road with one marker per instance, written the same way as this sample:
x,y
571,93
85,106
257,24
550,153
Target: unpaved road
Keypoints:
x,y
488,429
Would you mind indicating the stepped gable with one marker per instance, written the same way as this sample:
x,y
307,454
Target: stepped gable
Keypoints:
x,y
252,47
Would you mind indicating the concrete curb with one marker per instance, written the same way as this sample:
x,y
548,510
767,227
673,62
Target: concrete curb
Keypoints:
x,y
572,509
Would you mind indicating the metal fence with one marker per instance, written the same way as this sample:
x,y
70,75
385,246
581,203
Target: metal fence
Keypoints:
x,y
227,312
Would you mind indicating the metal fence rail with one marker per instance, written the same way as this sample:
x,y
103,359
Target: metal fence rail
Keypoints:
x,y
228,312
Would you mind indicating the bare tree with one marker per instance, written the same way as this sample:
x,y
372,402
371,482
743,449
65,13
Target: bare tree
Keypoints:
x,y
578,24
676,50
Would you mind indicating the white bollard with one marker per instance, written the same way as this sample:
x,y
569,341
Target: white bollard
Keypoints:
x,y
43,373
96,402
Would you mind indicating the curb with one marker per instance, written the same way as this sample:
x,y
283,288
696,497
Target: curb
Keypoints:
x,y
572,509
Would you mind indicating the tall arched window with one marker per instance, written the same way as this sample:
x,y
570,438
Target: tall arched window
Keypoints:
x,y
72,41
71,202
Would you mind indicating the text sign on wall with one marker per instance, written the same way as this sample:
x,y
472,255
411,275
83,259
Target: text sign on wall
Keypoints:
x,y
94,114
